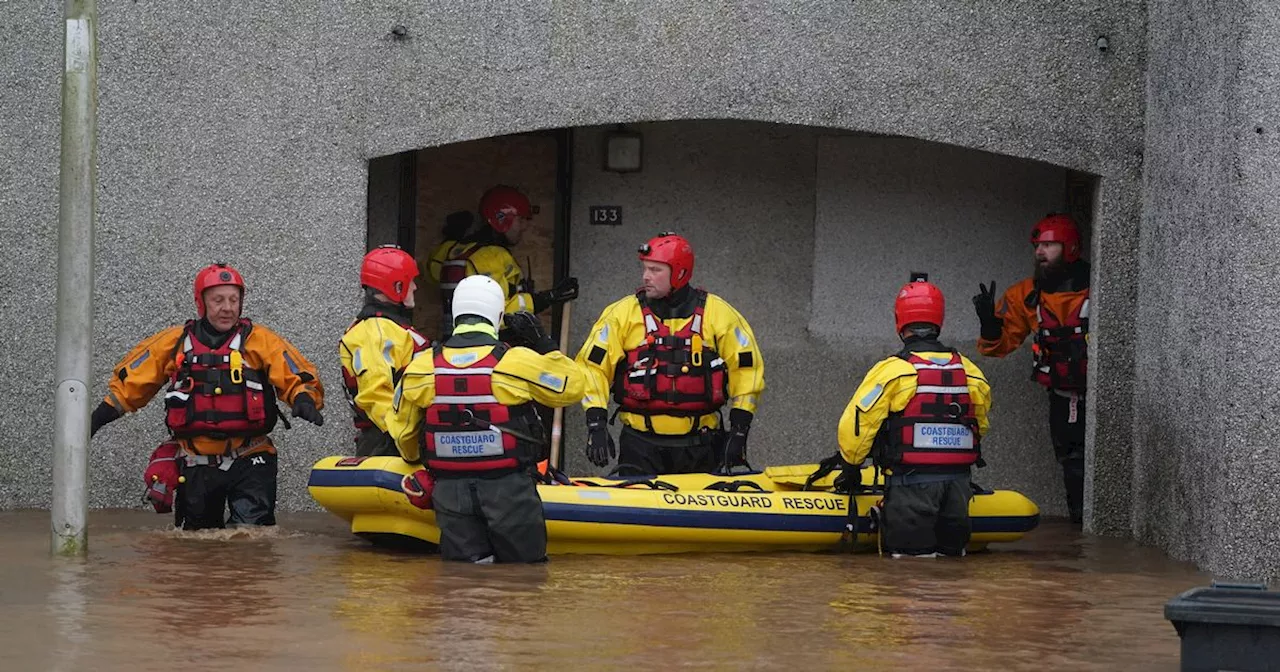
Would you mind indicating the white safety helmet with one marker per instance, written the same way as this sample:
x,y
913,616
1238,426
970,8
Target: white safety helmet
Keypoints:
x,y
479,295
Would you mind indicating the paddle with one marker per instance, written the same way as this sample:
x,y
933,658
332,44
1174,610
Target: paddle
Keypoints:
x,y
557,418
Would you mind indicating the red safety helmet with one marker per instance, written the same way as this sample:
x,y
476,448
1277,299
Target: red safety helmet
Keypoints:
x,y
674,251
919,301
1059,228
501,206
215,275
388,269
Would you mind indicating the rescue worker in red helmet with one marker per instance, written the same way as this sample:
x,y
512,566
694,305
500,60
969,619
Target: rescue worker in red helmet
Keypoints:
x,y
672,356
507,214
466,411
921,414
222,375
1053,307
379,344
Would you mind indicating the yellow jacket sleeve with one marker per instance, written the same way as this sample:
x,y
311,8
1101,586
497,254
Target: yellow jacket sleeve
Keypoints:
x,y
551,380
142,372
375,351
736,343
289,372
979,394
496,262
887,388
604,347
415,392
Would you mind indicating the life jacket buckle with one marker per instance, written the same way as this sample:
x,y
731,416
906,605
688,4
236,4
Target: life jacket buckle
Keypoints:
x,y
695,345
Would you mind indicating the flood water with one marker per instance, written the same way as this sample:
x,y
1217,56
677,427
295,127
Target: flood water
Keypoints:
x,y
307,595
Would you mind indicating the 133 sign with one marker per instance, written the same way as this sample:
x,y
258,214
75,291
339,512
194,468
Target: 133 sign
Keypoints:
x,y
608,215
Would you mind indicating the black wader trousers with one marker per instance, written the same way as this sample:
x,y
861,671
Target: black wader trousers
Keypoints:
x,y
920,518
498,519
1066,429
247,487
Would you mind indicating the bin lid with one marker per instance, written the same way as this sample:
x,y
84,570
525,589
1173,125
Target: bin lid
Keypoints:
x,y
1228,604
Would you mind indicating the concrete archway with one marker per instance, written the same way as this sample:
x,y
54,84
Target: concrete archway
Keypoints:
x,y
808,231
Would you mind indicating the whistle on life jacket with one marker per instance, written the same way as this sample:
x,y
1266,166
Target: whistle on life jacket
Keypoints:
x,y
695,346
237,367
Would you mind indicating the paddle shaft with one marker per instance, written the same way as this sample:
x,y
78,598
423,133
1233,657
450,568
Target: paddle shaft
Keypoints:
x,y
557,418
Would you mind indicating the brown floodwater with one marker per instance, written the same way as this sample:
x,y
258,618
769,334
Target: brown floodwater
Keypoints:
x,y
307,595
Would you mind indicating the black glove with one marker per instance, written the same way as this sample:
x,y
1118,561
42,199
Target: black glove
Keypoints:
x,y
306,409
102,415
600,446
850,477
565,290
735,445
985,304
527,330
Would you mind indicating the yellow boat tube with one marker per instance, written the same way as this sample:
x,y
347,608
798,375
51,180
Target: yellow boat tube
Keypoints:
x,y
678,513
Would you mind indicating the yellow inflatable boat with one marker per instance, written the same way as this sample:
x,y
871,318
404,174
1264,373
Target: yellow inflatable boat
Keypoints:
x,y
682,513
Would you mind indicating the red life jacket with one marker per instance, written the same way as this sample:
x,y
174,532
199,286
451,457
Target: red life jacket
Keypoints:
x,y
1060,352
352,385
452,271
466,430
212,393
672,374
937,430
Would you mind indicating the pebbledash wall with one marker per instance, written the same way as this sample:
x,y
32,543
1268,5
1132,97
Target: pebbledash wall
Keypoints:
x,y
242,131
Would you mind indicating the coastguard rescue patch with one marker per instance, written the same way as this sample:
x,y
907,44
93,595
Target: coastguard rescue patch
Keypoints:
x,y
486,443
942,435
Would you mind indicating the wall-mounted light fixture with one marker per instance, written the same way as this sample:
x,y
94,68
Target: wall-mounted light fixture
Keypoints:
x,y
623,151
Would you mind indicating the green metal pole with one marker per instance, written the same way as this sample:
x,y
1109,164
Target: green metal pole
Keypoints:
x,y
75,280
